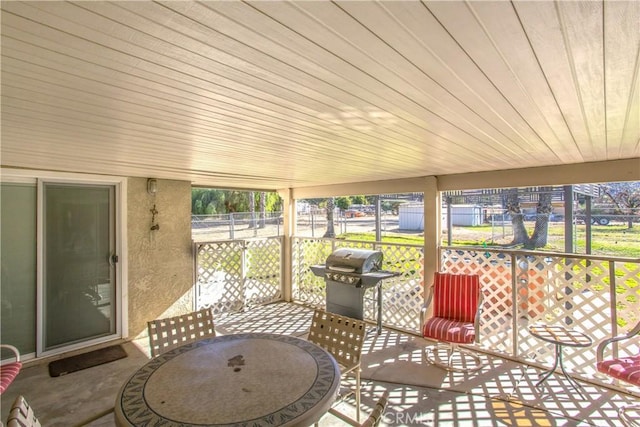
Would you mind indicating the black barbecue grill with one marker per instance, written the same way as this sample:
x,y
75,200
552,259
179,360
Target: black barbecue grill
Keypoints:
x,y
348,273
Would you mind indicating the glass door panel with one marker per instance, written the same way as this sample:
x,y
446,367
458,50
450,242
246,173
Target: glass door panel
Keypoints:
x,y
79,301
18,271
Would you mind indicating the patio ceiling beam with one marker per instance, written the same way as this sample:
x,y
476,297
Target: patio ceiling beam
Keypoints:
x,y
580,173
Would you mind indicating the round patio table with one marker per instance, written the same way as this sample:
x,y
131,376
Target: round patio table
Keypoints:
x,y
249,379
560,337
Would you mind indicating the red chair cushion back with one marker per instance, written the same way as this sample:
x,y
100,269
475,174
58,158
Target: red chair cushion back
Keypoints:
x,y
456,296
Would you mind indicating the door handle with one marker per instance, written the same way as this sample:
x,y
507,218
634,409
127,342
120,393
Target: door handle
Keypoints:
x,y
113,259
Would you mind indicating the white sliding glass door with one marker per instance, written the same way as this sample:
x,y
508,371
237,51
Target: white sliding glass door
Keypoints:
x,y
62,285
78,280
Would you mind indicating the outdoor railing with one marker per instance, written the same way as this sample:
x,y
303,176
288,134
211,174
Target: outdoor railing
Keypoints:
x,y
597,295
233,274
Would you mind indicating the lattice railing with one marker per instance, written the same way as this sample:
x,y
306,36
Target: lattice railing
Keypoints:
x,y
595,295
599,296
401,295
232,274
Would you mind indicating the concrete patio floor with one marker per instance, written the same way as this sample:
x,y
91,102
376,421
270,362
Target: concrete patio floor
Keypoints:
x,y
502,393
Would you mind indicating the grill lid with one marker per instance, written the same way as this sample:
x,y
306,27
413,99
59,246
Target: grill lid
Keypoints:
x,y
356,261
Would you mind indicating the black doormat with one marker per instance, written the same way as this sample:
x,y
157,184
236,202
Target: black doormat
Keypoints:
x,y
86,360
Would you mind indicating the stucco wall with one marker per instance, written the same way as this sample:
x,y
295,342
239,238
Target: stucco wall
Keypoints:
x,y
160,262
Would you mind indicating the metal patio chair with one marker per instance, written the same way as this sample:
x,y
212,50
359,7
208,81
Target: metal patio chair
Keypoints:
x,y
624,368
22,415
9,371
171,332
342,337
457,304
373,419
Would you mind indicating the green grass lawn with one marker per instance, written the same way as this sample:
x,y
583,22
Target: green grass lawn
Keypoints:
x,y
608,240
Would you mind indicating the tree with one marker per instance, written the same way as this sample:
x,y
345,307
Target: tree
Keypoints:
x,y
626,198
343,202
538,238
331,205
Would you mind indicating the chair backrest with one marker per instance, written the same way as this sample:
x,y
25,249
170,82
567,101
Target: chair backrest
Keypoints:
x,y
171,332
456,296
378,412
21,414
340,335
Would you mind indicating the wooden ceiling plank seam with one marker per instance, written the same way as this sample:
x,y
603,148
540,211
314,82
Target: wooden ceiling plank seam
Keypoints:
x,y
550,112
47,158
93,130
228,111
333,85
431,131
448,46
157,52
378,135
234,129
369,73
269,55
433,109
572,72
166,62
588,87
620,38
94,135
554,134
133,166
501,60
245,61
434,84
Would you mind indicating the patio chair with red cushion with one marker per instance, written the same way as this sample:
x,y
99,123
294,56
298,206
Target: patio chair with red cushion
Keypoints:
x,y
624,368
9,371
456,302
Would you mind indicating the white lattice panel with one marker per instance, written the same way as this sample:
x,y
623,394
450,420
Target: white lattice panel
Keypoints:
x,y
219,276
232,274
402,296
307,287
263,271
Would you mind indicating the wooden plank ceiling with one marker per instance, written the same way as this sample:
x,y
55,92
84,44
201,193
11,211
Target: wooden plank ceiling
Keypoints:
x,y
274,94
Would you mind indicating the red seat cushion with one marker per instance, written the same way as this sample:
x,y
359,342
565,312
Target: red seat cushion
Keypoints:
x,y
8,373
447,330
456,296
623,368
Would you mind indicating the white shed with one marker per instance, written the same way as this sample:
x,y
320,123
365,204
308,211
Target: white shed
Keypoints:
x,y
411,216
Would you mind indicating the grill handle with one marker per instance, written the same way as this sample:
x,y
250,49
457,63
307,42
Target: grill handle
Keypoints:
x,y
342,269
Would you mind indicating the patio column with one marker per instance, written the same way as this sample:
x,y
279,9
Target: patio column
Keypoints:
x,y
432,229
288,231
